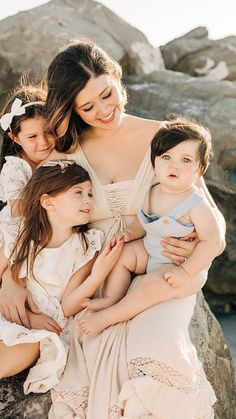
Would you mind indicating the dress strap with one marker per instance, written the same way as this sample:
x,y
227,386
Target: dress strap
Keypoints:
x,y
187,204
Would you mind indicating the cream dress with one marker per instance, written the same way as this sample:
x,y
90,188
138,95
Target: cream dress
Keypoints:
x,y
53,268
14,176
141,369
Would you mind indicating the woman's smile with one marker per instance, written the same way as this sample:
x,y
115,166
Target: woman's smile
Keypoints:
x,y
109,118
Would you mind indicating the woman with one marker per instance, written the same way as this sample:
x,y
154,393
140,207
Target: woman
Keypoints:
x,y
86,114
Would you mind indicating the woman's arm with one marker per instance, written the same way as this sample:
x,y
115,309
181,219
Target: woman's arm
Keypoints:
x,y
14,297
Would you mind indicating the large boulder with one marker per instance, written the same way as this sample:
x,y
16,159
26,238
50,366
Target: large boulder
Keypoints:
x,y
154,94
30,39
213,103
195,54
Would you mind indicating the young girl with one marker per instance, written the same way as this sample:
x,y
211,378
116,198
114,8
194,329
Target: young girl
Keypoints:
x,y
53,254
174,207
25,145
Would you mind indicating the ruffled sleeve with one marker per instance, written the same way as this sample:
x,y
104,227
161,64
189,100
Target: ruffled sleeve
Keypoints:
x,y
95,240
15,174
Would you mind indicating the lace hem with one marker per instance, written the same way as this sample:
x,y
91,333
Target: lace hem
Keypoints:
x,y
165,374
77,400
114,412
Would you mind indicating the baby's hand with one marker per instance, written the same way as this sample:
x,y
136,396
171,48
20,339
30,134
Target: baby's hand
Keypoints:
x,y
176,277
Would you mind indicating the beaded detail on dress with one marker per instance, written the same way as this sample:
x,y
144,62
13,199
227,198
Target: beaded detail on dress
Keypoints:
x,y
117,196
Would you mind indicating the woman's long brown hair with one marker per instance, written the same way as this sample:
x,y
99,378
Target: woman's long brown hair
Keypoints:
x,y
36,231
67,75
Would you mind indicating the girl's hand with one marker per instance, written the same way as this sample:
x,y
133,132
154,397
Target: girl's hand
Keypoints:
x,y
42,321
179,249
124,235
13,300
107,259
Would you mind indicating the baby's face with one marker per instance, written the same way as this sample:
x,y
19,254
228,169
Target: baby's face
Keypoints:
x,y
178,168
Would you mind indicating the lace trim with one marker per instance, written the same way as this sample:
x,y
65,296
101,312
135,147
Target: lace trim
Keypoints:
x,y
167,375
114,412
77,400
117,196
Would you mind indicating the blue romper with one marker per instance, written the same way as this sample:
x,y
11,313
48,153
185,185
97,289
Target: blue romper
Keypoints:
x,y
168,225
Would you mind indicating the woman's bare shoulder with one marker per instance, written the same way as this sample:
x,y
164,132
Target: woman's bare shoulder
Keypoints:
x,y
142,123
145,127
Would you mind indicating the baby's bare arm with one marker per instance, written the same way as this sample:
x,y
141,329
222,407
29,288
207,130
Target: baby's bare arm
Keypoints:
x,y
210,238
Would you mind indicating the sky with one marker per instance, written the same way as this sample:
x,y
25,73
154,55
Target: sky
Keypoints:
x,y
160,20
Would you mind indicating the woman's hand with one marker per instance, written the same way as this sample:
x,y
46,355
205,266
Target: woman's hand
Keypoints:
x,y
179,249
42,321
14,298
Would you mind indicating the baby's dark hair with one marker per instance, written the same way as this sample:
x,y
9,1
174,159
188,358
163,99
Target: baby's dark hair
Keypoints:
x,y
55,177
27,94
181,129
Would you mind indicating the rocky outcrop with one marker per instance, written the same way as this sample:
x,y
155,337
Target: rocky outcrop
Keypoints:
x,y
206,335
195,54
29,40
156,94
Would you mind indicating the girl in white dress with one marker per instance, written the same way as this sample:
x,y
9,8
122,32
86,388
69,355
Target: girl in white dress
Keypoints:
x,y
25,145
53,256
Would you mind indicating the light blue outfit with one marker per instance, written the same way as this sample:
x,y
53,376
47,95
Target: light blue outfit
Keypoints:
x,y
168,225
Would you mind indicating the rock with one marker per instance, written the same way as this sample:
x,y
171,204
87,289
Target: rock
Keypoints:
x,y
39,33
218,361
206,334
14,404
162,94
155,93
195,54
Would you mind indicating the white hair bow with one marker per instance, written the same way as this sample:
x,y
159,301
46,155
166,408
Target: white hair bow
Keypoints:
x,y
64,164
16,110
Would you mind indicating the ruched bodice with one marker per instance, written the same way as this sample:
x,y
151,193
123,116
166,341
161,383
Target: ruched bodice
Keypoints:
x,y
115,204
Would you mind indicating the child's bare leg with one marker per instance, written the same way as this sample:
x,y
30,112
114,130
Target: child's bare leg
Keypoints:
x,y
151,290
15,359
133,259
3,262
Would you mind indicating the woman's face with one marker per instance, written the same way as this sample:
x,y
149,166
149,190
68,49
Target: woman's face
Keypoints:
x,y
101,103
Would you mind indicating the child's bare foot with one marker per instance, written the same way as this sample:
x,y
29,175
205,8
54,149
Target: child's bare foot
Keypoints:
x,y
94,323
97,304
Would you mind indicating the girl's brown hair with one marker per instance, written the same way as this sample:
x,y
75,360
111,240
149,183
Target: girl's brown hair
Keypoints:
x,y
181,129
27,94
36,230
67,75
